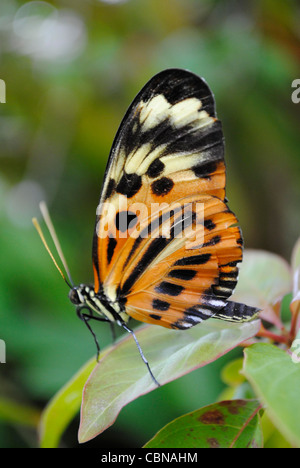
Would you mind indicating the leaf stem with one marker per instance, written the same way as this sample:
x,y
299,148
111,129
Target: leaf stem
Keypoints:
x,y
272,336
294,323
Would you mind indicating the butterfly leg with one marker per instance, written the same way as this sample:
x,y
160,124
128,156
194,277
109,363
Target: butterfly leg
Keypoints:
x,y
113,331
141,352
85,318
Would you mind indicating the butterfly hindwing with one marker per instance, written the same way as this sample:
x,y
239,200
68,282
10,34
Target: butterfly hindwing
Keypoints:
x,y
184,280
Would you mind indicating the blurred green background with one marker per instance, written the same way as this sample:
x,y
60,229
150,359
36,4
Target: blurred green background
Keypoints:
x,y
71,69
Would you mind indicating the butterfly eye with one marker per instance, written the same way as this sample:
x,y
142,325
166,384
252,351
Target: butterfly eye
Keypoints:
x,y
74,296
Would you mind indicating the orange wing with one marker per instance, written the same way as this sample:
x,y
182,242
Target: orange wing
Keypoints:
x,y
191,277
169,145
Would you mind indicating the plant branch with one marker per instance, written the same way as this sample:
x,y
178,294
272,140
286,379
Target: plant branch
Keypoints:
x,y
272,336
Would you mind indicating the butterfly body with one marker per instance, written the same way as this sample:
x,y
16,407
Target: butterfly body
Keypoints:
x,y
166,245
84,296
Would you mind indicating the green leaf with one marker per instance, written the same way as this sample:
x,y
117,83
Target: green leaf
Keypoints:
x,y
271,435
276,381
121,375
62,408
295,304
231,374
16,413
232,377
227,424
295,260
263,280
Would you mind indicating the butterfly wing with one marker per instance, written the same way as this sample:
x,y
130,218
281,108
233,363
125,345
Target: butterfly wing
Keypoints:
x,y
194,269
168,153
169,143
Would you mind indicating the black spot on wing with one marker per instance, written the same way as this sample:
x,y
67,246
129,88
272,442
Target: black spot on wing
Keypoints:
x,y
204,170
129,184
193,260
185,275
111,248
162,186
210,159
157,304
209,224
169,288
155,168
213,241
155,316
125,220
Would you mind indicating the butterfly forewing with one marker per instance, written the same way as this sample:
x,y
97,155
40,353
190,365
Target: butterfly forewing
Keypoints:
x,y
169,145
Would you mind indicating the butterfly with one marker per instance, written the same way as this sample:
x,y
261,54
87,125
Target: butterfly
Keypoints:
x,y
166,246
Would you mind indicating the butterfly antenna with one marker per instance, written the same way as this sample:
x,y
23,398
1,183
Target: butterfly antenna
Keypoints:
x,y
47,219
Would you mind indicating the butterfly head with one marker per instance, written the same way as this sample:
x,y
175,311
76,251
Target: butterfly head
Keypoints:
x,y
81,295
75,296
